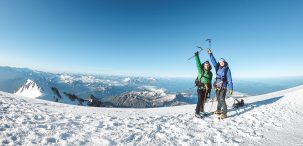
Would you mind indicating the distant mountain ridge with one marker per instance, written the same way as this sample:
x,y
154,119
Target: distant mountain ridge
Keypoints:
x,y
90,90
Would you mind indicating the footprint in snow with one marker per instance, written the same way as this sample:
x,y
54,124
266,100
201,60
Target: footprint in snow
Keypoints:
x,y
39,117
51,140
5,142
2,129
14,138
65,136
47,127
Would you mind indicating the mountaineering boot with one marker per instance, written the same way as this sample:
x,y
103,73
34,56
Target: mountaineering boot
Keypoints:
x,y
198,115
203,114
222,117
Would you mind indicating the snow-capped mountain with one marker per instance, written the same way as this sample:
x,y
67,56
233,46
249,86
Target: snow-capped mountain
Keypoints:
x,y
271,119
42,90
151,96
76,89
121,90
30,89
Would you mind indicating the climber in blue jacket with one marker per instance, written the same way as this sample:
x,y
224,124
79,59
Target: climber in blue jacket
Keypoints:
x,y
223,81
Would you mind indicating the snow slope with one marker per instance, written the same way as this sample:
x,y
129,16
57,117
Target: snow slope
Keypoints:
x,y
271,119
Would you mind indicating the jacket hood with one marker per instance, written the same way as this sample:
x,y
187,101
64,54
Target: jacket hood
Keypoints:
x,y
225,64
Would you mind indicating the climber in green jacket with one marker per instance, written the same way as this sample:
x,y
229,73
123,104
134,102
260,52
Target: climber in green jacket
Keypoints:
x,y
203,83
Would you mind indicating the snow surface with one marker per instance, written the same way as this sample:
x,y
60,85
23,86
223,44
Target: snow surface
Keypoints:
x,y
271,119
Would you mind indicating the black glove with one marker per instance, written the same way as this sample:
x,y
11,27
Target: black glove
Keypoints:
x,y
197,53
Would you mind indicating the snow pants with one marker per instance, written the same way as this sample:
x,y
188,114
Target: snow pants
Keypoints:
x,y
221,95
201,100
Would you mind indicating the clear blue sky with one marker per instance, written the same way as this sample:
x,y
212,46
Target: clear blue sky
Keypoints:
x,y
152,37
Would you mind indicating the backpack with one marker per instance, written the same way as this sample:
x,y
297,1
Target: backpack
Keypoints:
x,y
238,103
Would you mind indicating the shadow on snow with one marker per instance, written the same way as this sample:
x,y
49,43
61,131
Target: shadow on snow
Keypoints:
x,y
250,106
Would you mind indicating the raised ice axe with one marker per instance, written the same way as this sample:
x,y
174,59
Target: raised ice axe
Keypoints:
x,y
209,43
198,51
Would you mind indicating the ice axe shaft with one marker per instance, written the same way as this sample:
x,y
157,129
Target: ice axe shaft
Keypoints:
x,y
201,49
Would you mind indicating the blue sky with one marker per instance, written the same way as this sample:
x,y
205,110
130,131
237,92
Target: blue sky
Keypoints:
x,y
152,37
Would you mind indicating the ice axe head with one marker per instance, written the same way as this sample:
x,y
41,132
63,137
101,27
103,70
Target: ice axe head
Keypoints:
x,y
200,48
209,42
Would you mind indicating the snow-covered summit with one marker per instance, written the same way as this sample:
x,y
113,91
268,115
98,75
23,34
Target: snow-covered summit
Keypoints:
x,y
30,89
271,119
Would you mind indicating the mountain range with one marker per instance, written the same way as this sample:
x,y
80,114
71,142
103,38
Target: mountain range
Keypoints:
x,y
92,90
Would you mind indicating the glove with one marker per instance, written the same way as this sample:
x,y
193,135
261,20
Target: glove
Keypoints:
x,y
209,51
230,92
197,53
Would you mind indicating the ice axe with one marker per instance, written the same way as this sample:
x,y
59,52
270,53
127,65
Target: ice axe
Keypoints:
x,y
201,49
209,42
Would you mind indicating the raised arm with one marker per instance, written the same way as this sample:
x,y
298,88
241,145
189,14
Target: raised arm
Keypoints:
x,y
198,63
213,59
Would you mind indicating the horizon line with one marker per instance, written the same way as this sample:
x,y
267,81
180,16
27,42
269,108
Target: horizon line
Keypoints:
x,y
147,76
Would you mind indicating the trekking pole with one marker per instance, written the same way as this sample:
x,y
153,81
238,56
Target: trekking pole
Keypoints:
x,y
201,49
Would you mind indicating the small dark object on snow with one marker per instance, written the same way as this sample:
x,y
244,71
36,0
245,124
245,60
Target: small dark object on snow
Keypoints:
x,y
238,103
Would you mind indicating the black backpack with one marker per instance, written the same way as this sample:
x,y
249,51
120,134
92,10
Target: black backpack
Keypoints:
x,y
238,103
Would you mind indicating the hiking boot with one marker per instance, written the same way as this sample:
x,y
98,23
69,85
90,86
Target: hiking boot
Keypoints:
x,y
203,114
217,112
198,115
